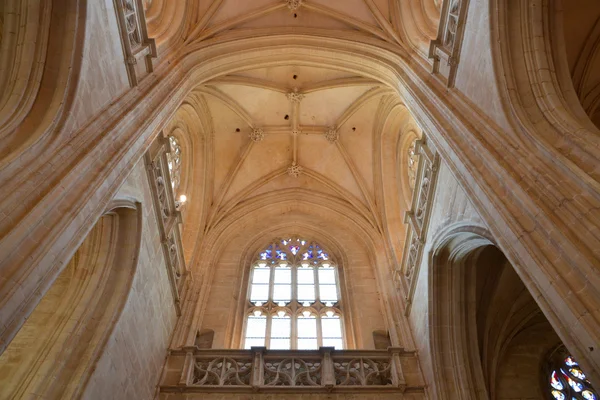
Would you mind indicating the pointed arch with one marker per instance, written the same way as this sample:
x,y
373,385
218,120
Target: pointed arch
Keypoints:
x,y
56,349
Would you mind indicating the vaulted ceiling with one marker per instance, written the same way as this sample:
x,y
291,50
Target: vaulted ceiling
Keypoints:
x,y
391,23
365,17
268,120
295,128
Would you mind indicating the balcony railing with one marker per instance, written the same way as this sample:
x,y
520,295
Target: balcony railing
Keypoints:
x,y
261,370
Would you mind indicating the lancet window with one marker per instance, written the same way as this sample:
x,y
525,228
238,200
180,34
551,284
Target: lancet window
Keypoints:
x,y
567,381
294,297
174,162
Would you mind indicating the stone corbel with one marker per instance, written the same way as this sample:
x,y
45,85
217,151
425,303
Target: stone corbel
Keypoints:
x,y
138,48
445,49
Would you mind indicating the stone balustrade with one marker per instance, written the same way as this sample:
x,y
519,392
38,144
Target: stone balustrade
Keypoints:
x,y
260,370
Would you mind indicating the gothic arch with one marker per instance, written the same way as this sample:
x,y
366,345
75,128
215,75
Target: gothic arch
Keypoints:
x,y
258,240
538,92
167,21
418,21
513,213
56,349
488,336
576,28
452,341
38,77
192,126
332,215
393,134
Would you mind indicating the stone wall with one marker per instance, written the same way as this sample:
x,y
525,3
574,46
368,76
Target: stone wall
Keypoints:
x,y
451,206
476,67
132,360
103,76
359,278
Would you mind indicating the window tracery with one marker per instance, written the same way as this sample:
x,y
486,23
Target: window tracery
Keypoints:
x,y
445,49
293,297
413,164
566,380
451,24
137,46
174,161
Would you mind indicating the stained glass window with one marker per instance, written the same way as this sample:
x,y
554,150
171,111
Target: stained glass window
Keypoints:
x,y
566,379
294,297
174,161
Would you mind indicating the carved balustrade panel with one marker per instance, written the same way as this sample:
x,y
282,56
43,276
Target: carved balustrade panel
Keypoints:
x,y
363,372
292,371
222,371
262,370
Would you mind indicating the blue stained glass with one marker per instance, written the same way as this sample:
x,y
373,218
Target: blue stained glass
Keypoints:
x,y
578,387
577,373
569,381
268,253
309,253
555,382
281,255
570,362
587,395
294,249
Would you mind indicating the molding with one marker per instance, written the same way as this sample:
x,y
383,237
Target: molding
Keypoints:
x,y
137,46
417,219
168,217
446,47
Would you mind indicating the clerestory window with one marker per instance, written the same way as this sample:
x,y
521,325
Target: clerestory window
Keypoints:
x,y
294,297
566,380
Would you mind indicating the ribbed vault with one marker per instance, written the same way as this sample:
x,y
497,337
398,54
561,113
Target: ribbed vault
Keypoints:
x,y
299,129
292,148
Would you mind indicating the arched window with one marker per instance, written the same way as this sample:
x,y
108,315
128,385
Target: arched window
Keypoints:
x,y
294,297
566,380
174,161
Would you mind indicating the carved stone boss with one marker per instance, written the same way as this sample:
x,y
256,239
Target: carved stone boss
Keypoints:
x,y
134,38
445,49
168,217
418,220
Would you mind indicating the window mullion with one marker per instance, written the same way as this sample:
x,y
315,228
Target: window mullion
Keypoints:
x,y
316,280
318,297
268,332
271,293
294,307
271,282
294,333
319,331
